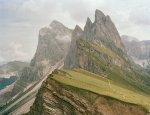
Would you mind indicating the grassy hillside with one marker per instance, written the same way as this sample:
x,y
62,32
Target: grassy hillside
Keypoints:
x,y
115,66
100,85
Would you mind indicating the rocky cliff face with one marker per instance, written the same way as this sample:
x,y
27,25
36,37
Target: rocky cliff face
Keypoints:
x,y
100,35
99,49
138,50
58,99
53,44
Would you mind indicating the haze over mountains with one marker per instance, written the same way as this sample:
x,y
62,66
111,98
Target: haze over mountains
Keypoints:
x,y
138,50
97,78
52,47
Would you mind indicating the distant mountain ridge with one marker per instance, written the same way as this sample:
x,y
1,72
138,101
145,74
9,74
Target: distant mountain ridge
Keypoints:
x,y
9,73
138,50
53,45
13,66
50,49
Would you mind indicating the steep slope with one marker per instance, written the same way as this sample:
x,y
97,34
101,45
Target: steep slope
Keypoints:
x,y
66,93
101,33
138,50
99,49
107,82
53,44
9,73
52,47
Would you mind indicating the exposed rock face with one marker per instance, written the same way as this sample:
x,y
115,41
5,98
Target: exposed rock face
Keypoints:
x,y
98,49
53,44
138,50
57,99
106,30
71,59
101,33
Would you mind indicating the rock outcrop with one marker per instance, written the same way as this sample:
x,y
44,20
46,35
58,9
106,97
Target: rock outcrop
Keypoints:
x,y
98,49
100,35
54,42
53,45
57,99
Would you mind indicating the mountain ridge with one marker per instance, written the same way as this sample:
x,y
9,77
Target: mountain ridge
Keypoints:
x,y
51,49
107,68
139,51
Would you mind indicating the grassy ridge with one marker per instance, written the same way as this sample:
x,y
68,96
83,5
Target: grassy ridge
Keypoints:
x,y
103,59
103,86
105,50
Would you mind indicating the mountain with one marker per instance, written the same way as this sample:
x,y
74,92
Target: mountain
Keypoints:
x,y
58,96
138,50
9,73
13,66
53,44
102,34
98,76
99,49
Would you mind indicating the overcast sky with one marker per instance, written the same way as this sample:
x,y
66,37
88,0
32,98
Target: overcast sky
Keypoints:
x,y
20,21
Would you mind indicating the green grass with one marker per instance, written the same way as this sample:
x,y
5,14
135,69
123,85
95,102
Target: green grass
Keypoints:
x,y
103,86
104,50
126,78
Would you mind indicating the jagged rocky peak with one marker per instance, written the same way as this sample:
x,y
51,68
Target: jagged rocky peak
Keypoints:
x,y
57,37
55,27
88,30
106,30
71,60
77,31
101,32
56,24
59,28
88,22
99,16
53,45
44,31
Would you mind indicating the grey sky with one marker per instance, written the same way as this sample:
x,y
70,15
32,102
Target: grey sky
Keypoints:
x,y
20,21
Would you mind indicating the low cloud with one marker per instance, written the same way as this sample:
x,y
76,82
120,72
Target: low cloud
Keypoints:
x,y
14,51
